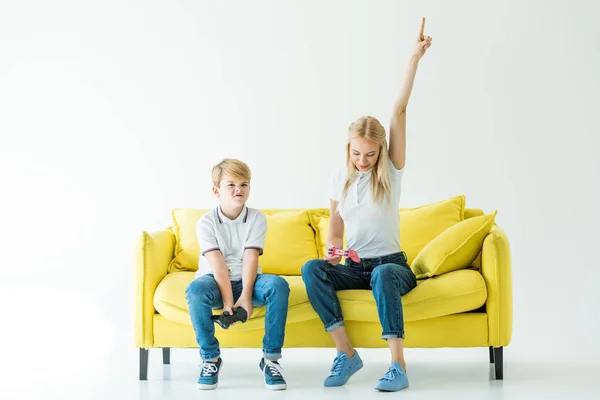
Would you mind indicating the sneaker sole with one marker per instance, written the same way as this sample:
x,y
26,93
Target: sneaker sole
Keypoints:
x,y
207,387
391,390
281,386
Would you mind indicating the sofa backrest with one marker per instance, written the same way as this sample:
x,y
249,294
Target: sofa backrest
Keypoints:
x,y
295,236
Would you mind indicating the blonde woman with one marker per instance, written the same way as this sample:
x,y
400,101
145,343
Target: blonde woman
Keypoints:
x,y
364,201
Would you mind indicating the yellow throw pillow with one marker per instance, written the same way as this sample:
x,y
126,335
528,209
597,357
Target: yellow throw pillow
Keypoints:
x,y
420,225
289,244
319,220
187,250
456,248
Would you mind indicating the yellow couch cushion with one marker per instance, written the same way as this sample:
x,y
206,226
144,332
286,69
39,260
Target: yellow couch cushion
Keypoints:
x,y
473,212
187,250
451,293
289,244
170,302
418,226
290,241
457,247
470,213
319,220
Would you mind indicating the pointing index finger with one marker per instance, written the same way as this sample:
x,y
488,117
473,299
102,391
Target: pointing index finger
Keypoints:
x,y
421,37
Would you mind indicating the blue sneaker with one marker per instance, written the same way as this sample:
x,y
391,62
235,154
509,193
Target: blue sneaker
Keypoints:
x,y
393,380
272,372
209,376
343,368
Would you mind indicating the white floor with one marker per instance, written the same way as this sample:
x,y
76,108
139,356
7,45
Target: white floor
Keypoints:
x,y
434,374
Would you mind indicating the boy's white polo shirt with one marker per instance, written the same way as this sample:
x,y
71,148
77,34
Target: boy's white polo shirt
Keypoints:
x,y
372,230
216,232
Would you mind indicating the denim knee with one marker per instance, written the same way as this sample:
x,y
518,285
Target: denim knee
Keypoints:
x,y
280,286
384,273
311,268
200,290
401,275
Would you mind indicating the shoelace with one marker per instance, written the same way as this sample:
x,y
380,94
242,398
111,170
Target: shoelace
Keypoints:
x,y
274,369
208,369
338,365
392,374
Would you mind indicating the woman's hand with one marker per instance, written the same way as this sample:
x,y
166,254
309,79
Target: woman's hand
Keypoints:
x,y
332,260
423,42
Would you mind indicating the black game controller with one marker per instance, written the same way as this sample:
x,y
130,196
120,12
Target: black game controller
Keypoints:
x,y
225,320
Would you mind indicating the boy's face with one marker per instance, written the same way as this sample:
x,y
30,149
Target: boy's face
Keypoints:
x,y
232,191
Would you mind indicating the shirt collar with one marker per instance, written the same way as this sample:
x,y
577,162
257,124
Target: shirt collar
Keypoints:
x,y
221,217
362,175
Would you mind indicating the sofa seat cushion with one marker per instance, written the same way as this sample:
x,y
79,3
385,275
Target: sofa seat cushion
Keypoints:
x,y
451,293
170,302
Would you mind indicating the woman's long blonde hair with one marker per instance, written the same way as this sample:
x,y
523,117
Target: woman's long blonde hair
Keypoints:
x,y
370,128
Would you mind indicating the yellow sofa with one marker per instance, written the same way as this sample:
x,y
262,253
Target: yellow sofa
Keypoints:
x,y
469,307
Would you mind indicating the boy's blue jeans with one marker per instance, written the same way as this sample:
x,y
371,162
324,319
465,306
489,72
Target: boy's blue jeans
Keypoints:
x,y
389,277
203,295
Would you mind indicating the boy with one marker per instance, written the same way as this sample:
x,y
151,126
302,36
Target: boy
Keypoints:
x,y
231,238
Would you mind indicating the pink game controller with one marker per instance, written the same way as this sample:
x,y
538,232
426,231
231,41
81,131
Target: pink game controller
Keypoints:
x,y
344,253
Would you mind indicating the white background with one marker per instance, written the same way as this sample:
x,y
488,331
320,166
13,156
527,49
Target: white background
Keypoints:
x,y
112,113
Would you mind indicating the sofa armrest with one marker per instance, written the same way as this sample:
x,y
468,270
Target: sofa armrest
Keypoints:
x,y
154,252
497,273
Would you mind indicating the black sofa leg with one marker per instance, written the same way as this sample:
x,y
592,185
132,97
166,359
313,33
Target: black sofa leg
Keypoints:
x,y
166,355
491,355
143,364
498,363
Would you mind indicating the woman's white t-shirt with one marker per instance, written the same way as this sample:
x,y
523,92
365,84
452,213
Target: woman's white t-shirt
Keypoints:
x,y
372,229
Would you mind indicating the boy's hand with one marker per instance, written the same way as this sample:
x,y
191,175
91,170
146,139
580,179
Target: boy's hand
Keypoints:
x,y
246,304
228,308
